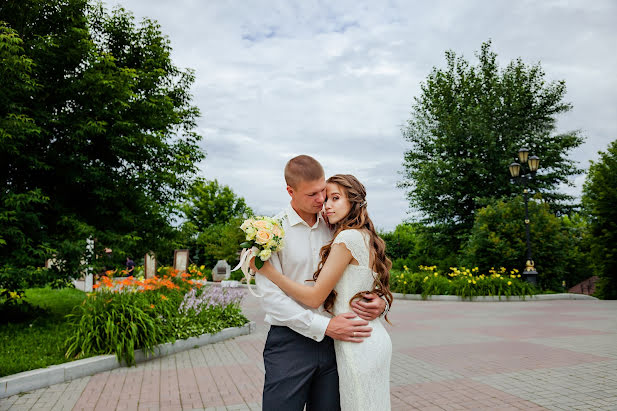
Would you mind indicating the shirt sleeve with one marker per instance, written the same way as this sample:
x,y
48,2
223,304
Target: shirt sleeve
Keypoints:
x,y
287,311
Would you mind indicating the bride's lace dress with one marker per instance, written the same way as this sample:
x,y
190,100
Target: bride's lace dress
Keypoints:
x,y
364,368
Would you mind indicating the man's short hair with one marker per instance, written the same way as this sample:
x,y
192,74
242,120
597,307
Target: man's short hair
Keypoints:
x,y
302,168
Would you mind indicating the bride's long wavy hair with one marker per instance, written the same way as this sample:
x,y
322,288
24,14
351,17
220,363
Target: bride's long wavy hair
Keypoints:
x,y
358,218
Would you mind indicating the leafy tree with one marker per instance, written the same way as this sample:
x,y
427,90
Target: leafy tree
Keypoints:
x,y
466,127
498,240
98,131
220,242
210,203
213,216
600,202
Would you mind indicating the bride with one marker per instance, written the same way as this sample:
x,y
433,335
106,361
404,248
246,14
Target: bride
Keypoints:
x,y
352,264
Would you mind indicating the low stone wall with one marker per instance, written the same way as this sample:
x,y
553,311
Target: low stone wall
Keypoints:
x,y
493,298
55,374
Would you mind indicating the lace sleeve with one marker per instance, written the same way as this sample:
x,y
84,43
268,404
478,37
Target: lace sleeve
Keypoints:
x,y
356,244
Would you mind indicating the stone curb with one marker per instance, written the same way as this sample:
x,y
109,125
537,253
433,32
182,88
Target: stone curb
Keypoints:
x,y
55,374
492,298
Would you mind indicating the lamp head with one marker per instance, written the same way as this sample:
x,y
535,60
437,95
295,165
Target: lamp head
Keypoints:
x,y
515,169
534,163
523,153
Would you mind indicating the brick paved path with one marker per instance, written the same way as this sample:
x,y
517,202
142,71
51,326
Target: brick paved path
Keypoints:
x,y
557,355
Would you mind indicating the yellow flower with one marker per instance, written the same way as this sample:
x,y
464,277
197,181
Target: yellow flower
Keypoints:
x,y
405,268
13,294
469,281
404,282
518,275
509,282
436,274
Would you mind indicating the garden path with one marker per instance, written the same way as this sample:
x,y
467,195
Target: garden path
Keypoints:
x,y
555,355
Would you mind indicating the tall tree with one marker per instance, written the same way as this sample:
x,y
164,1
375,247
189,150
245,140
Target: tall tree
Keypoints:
x,y
213,214
466,127
113,144
600,200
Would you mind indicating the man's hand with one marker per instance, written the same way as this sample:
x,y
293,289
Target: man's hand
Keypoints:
x,y
370,307
346,327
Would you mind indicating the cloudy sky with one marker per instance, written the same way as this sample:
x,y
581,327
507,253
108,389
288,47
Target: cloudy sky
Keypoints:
x,y
336,79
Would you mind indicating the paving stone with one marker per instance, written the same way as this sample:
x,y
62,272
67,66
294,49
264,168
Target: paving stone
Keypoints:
x,y
535,355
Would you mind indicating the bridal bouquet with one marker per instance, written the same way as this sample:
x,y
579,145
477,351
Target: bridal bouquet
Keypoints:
x,y
264,235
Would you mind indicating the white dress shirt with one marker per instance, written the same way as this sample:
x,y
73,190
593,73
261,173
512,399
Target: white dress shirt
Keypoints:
x,y
297,260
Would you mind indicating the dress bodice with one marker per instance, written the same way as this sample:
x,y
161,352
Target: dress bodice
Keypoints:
x,y
356,278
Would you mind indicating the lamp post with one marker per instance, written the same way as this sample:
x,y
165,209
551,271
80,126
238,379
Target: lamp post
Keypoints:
x,y
521,177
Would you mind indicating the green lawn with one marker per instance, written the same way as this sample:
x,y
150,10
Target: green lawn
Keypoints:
x,y
38,342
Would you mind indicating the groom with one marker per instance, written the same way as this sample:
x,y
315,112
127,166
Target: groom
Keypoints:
x,y
299,353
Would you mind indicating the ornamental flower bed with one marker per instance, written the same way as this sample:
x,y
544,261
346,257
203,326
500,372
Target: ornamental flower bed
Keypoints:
x,y
124,315
463,282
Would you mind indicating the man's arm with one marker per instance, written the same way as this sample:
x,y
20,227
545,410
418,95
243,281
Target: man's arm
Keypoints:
x,y
287,311
368,310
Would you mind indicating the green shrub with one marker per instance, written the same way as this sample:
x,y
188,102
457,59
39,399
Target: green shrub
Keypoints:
x,y
463,282
498,239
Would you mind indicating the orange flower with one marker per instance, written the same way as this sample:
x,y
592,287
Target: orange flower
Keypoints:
x,y
151,305
95,286
163,297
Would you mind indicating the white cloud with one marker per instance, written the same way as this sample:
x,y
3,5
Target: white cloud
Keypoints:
x,y
336,79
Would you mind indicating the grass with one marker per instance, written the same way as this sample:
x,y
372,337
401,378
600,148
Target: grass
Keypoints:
x,y
38,342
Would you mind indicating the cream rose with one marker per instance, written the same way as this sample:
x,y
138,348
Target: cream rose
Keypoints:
x,y
277,231
263,236
262,225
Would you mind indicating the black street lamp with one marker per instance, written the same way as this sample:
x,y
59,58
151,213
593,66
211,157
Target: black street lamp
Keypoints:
x,y
530,274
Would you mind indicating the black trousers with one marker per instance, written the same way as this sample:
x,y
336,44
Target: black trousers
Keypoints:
x,y
299,371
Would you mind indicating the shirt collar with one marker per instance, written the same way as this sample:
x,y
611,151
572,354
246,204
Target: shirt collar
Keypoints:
x,y
294,218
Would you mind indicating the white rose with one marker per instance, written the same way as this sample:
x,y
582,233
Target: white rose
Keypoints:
x,y
246,224
250,233
265,254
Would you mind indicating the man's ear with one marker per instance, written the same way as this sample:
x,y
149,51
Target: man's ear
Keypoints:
x,y
290,190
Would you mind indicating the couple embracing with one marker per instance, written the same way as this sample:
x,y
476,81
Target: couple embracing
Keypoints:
x,y
323,294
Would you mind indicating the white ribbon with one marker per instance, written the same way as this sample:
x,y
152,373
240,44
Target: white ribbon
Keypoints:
x,y
245,265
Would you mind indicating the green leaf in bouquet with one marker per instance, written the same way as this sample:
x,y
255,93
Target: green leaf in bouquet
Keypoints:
x,y
258,263
245,244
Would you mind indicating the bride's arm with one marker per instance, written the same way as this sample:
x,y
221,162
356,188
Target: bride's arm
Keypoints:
x,y
330,274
